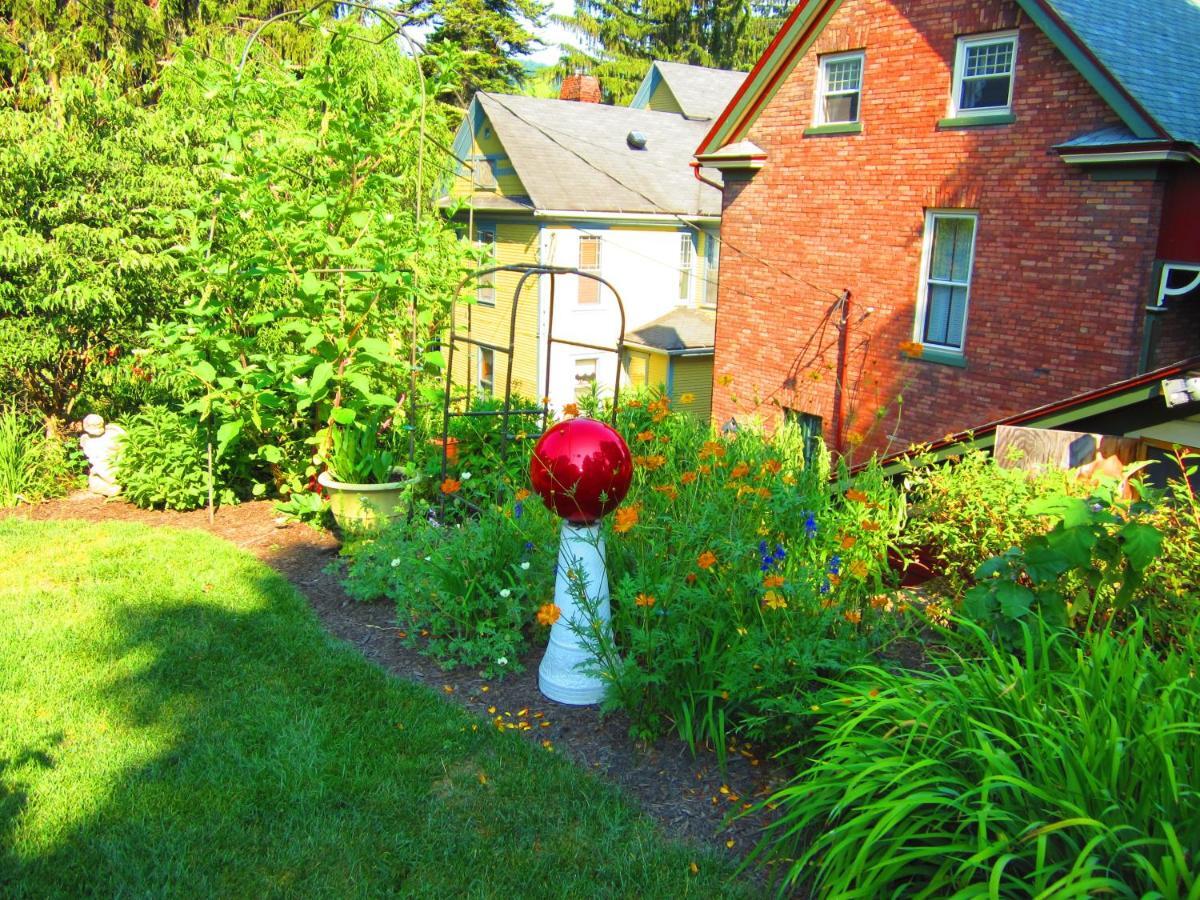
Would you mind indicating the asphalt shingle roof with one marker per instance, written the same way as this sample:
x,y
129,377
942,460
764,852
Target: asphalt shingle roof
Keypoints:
x,y
700,92
574,156
680,329
1152,47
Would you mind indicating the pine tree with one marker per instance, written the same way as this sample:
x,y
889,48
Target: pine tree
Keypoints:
x,y
491,34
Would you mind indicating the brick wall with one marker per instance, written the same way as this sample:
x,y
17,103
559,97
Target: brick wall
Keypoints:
x,y
1062,262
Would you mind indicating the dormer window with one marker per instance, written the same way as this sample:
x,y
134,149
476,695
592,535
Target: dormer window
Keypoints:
x,y
983,74
839,89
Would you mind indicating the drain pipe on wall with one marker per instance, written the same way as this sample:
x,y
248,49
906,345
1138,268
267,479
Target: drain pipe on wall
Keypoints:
x,y
840,377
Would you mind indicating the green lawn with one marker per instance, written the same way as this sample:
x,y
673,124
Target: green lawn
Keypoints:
x,y
173,720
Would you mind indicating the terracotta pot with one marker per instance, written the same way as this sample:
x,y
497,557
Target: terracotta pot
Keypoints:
x,y
366,507
451,449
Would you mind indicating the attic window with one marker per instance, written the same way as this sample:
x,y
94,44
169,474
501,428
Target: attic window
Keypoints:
x,y
636,140
983,74
840,88
483,176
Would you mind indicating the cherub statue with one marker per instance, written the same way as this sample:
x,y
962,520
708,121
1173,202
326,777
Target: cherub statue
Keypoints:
x,y
100,443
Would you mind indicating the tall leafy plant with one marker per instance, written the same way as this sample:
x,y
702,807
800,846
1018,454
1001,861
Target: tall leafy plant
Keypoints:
x,y
319,274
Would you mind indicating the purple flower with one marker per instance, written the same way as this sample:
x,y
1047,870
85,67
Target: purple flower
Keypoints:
x,y
810,524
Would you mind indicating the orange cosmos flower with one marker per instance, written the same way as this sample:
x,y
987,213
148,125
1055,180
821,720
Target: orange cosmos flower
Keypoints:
x,y
669,489
774,601
868,525
835,580
789,478
725,380
691,578
853,616
704,470
764,493
848,541
627,517
856,495
644,600
706,560
634,404
451,485
771,467
571,409
912,348
739,471
773,581
687,477
650,462
522,494
858,569
548,614
687,398
645,435
854,438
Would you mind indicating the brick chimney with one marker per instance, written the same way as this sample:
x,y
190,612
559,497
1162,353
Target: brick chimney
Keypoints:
x,y
581,88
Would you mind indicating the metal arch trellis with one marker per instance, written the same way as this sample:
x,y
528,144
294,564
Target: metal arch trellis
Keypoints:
x,y
454,338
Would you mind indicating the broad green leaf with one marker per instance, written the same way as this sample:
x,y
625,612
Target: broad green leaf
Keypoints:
x,y
1015,599
343,416
226,433
205,371
320,211
320,378
1141,543
1074,544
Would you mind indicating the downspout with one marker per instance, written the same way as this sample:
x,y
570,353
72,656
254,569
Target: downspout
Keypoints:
x,y
838,390
696,171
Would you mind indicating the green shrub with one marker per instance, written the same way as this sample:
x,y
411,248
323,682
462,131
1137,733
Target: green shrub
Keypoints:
x,y
33,466
471,588
964,512
163,463
1170,595
1071,772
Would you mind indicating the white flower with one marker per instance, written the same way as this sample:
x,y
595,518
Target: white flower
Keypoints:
x,y
428,558
502,660
525,565
505,593
395,562
466,476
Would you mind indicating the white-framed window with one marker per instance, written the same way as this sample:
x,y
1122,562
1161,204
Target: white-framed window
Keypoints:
x,y
839,88
585,375
946,266
687,267
711,266
637,368
485,292
983,74
485,378
589,261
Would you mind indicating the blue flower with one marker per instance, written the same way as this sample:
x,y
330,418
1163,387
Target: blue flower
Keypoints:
x,y
762,548
528,546
835,564
767,564
825,586
518,509
779,554
810,524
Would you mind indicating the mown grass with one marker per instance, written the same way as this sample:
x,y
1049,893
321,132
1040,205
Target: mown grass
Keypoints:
x,y
173,720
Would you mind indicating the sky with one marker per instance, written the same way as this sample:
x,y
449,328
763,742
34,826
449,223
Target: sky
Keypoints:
x,y
552,35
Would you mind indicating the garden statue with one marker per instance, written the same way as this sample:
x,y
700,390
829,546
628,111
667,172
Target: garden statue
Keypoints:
x,y
581,468
100,443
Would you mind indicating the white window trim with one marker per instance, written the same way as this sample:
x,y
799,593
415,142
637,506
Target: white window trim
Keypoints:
x,y
711,265
480,384
822,72
493,248
931,215
598,303
960,61
685,297
575,361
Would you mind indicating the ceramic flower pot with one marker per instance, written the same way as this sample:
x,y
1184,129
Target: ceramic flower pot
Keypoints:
x,y
451,447
367,507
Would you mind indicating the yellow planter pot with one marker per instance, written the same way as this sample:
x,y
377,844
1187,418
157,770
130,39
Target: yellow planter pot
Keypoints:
x,y
366,507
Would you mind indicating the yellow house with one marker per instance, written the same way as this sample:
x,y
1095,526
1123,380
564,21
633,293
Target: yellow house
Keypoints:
x,y
608,190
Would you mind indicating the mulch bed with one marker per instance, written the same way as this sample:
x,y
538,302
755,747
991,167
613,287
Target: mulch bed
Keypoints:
x,y
689,797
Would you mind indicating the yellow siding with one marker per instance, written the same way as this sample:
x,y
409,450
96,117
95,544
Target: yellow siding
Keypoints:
x,y
515,243
693,375
658,370
662,100
487,144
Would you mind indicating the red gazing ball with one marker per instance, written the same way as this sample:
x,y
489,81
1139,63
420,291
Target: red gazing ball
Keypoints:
x,y
581,469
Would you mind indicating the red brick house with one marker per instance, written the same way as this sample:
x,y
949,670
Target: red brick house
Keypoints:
x,y
938,213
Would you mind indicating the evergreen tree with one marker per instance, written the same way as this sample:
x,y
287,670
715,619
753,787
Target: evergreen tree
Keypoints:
x,y
618,39
491,34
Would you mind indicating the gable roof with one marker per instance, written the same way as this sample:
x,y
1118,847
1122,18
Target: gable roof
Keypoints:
x,y
1139,55
701,92
574,156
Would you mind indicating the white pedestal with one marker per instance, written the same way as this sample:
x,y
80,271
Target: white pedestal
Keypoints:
x,y
580,550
